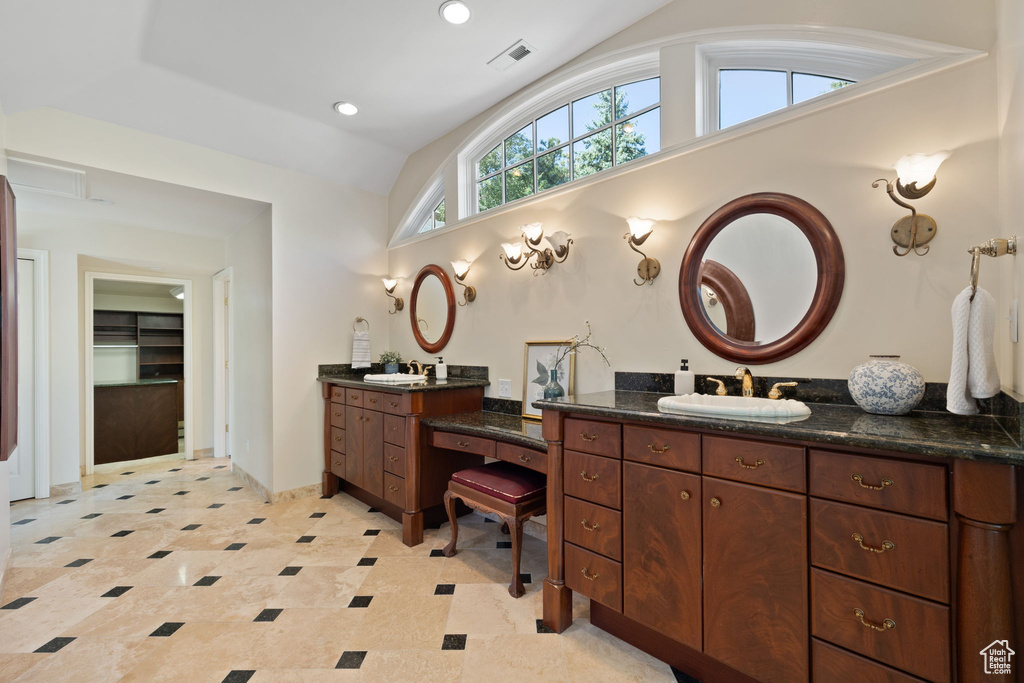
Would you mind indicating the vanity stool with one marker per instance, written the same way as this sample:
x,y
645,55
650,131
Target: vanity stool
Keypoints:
x,y
514,493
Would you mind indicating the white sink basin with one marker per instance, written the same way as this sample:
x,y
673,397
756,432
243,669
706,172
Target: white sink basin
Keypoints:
x,y
394,378
735,407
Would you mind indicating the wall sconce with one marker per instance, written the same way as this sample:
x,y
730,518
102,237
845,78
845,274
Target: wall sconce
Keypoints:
x,y
389,287
533,233
915,177
461,270
639,230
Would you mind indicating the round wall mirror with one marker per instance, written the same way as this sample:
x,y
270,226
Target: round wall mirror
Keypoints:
x,y
432,308
761,278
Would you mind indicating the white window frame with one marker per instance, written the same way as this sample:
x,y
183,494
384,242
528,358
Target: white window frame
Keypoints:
x,y
835,61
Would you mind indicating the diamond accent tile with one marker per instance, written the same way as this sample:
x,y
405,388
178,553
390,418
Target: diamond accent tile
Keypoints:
x,y
116,591
191,527
48,539
214,506
79,563
290,571
122,533
361,601
207,581
159,555
55,645
318,515
268,615
16,604
437,552
28,520
305,539
541,628
181,493
93,515
257,520
371,532
155,511
168,628
235,488
366,561
239,676
65,502
351,660
454,641
235,546
503,544
125,497
444,589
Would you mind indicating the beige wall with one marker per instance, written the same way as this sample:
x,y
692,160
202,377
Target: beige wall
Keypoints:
x,y
890,304
252,418
77,246
129,302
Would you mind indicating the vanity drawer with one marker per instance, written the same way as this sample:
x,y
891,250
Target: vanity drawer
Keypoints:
x,y
896,485
914,553
466,444
916,639
394,459
374,400
393,404
337,439
394,489
354,397
518,455
593,478
394,430
338,464
594,527
337,415
768,464
662,447
594,576
591,436
338,394
831,664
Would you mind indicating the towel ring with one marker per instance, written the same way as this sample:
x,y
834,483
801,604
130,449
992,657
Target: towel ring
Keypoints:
x,y
975,268
358,320
994,247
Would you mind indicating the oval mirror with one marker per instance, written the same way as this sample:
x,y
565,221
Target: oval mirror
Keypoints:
x,y
432,308
761,278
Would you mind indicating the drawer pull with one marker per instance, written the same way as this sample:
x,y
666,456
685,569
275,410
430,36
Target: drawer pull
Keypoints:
x,y
393,488
338,463
886,624
462,444
337,438
337,415
393,404
392,458
589,577
860,480
589,527
886,545
757,463
523,458
354,397
657,450
587,478
588,437
373,400
685,495
715,503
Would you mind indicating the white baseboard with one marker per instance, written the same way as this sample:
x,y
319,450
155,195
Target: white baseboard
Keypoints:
x,y
280,496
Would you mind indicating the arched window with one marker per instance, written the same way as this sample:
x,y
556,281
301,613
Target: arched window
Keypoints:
x,y
579,138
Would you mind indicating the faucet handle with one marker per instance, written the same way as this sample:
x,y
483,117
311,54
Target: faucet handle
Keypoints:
x,y
775,394
721,385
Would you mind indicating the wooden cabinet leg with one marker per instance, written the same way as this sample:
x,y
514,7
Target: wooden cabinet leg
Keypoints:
x,y
329,487
412,528
557,606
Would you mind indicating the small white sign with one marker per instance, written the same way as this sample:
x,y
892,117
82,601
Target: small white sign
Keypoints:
x,y
997,658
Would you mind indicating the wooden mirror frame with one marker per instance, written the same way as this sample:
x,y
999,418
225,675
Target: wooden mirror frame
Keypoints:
x,y
449,294
828,256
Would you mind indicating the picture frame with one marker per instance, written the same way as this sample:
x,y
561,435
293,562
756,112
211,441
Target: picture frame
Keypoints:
x,y
538,355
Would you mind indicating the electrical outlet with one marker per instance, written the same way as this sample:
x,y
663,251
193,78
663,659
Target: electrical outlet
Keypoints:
x,y
504,388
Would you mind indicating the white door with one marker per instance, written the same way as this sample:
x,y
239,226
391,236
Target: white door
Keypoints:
x,y
22,462
227,371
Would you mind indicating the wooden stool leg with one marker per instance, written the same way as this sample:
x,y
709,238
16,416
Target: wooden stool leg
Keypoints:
x,y
449,504
515,526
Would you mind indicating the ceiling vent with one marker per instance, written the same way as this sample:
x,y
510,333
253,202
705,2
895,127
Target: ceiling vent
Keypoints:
x,y
511,56
34,176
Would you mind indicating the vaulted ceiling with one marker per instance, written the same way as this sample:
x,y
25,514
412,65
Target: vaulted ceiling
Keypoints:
x,y
258,78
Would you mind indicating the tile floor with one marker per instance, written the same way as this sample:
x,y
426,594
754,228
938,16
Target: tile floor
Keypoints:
x,y
177,571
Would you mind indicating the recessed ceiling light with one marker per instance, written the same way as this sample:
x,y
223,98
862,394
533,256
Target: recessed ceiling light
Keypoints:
x,y
346,108
455,12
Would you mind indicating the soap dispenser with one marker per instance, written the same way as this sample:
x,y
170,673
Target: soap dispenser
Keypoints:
x,y
684,379
441,370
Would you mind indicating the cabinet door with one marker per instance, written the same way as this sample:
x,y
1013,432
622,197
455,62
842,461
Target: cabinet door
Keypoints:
x,y
755,580
662,551
373,452
354,446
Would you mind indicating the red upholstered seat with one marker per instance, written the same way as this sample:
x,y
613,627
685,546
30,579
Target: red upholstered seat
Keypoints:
x,y
504,481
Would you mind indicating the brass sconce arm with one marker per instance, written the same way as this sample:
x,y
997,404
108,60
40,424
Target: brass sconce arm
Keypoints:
x,y
468,291
906,232
399,303
539,259
649,268
511,263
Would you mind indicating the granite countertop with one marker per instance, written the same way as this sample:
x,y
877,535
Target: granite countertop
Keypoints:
x,y
136,382
429,384
921,432
512,428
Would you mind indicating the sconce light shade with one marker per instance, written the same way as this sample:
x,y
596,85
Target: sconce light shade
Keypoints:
x,y
545,258
533,232
640,227
461,267
918,170
389,284
559,240
512,251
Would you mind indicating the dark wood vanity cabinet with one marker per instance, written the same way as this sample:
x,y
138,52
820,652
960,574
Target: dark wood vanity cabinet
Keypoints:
x,y
756,559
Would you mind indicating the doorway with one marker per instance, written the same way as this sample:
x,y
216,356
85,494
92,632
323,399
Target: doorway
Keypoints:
x,y
223,363
138,359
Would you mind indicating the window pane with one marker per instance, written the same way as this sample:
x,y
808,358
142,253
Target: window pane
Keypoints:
x,y
591,112
592,154
636,96
519,146
553,169
489,193
553,129
745,94
427,226
490,163
806,86
638,136
519,182
439,215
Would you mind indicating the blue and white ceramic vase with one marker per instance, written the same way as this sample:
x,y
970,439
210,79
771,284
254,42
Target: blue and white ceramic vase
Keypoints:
x,y
885,386
553,389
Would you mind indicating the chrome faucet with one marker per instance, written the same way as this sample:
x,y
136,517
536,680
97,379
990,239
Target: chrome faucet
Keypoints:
x,y
742,373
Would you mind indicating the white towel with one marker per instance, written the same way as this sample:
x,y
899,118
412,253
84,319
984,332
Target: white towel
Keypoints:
x,y
972,373
361,349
